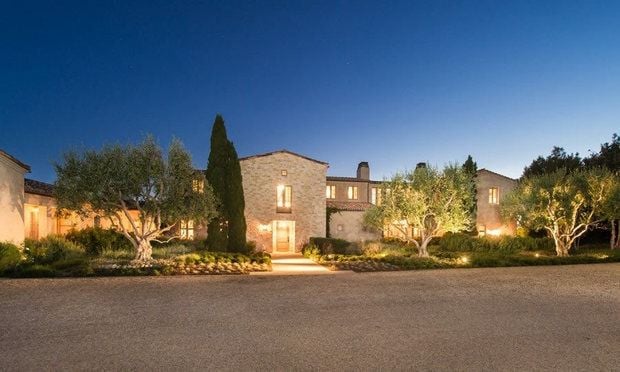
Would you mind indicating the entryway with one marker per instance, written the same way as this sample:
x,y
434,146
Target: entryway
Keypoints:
x,y
283,237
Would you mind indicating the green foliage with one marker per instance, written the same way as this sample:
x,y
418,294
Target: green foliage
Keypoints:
x,y
311,251
97,240
459,242
117,179
10,256
222,257
471,168
608,156
330,245
556,161
329,211
565,204
228,231
427,200
51,249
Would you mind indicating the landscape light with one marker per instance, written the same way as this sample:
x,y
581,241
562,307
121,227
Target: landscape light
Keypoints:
x,y
537,255
464,259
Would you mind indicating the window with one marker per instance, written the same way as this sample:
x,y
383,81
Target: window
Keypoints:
x,y
375,196
283,172
493,195
187,229
283,199
330,192
352,192
198,185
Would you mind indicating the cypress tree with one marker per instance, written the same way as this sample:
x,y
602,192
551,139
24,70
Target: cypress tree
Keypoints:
x,y
470,167
227,231
217,230
235,203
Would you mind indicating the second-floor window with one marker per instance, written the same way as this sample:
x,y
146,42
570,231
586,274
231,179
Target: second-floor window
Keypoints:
x,y
198,185
375,196
493,195
352,192
284,196
330,192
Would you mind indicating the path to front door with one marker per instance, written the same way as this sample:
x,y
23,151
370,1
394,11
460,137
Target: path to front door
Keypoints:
x,y
294,264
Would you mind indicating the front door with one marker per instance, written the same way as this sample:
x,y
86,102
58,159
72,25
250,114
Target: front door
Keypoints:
x,y
284,236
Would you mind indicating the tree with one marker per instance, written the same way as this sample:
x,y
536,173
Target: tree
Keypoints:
x,y
118,180
608,156
565,204
425,201
611,211
558,159
228,230
471,168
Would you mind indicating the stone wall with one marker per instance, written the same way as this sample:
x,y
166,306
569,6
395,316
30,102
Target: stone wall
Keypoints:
x,y
261,176
11,201
352,227
488,215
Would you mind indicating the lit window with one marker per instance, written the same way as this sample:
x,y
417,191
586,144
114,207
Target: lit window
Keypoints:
x,y
198,185
283,172
330,192
352,192
375,196
283,199
493,195
187,229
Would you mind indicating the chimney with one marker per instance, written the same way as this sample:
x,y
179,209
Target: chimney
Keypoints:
x,y
420,165
363,171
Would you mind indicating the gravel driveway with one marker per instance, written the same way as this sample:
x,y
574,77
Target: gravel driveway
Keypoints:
x,y
558,318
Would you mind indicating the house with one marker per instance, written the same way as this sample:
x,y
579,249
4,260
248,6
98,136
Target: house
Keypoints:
x,y
12,173
348,198
490,189
284,200
288,199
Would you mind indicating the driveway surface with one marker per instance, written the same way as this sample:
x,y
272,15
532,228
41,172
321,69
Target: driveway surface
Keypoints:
x,y
538,318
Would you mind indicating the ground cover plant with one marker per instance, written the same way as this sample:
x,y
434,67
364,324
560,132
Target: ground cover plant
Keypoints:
x,y
93,252
459,251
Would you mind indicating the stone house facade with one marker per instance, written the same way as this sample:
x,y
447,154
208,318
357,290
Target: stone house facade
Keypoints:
x,y
284,200
12,173
490,189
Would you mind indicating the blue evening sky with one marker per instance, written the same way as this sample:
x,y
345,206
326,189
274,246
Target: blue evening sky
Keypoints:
x,y
392,83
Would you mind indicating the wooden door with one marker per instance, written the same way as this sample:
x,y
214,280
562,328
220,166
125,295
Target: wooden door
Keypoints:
x,y
283,236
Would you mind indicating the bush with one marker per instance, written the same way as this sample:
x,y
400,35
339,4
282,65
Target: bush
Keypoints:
x,y
330,245
52,248
35,271
10,256
311,251
459,242
455,242
97,240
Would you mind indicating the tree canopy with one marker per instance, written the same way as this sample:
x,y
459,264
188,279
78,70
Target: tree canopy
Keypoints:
x,y
118,181
564,203
558,159
423,203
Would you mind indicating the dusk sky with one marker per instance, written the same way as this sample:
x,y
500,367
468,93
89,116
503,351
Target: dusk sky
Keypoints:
x,y
391,83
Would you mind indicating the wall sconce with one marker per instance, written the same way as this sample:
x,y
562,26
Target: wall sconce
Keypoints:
x,y
264,228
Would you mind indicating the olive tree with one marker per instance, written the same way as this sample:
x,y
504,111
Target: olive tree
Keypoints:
x,y
565,204
611,211
118,181
425,200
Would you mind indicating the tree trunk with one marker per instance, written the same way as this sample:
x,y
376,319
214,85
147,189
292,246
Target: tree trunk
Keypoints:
x,y
422,249
614,242
561,248
144,250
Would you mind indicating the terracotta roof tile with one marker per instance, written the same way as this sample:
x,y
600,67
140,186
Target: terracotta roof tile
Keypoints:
x,y
38,187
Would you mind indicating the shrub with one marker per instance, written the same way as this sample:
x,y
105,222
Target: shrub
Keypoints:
x,y
35,271
10,256
454,242
310,251
52,248
261,258
97,240
76,266
330,245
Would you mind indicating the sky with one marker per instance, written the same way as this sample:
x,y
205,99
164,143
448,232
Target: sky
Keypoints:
x,y
388,82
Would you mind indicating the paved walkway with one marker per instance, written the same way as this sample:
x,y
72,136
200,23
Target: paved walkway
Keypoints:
x,y
294,264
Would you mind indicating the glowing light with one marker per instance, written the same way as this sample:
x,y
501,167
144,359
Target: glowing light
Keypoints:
x,y
537,255
264,228
494,232
465,259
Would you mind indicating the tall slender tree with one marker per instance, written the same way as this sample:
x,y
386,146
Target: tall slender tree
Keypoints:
x,y
470,167
227,232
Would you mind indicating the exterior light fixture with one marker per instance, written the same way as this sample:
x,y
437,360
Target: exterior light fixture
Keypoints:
x,y
464,259
537,255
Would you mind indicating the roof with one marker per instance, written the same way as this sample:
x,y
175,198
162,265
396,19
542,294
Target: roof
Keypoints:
x,y
349,206
14,160
495,173
38,187
349,179
283,151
